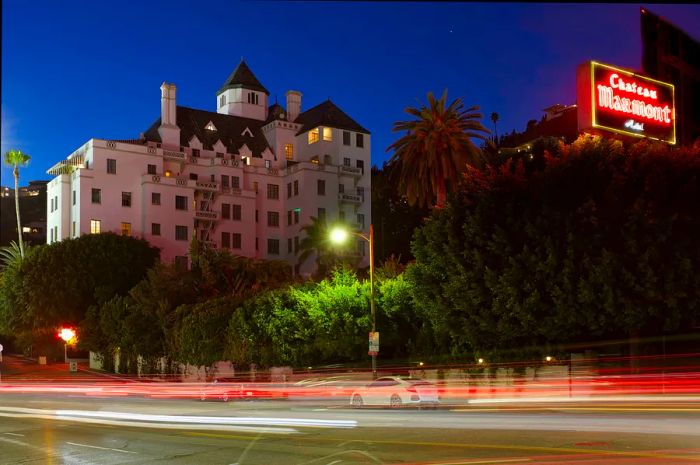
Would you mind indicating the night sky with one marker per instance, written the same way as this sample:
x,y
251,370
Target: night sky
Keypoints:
x,y
72,70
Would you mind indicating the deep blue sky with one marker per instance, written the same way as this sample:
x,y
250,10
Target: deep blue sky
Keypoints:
x,y
72,70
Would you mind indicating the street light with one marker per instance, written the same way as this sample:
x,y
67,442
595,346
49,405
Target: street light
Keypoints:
x,y
68,335
340,235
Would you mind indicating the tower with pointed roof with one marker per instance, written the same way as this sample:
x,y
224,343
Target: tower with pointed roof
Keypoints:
x,y
243,95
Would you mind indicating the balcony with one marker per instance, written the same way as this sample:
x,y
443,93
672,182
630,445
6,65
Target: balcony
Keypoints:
x,y
206,215
180,156
212,186
350,171
352,199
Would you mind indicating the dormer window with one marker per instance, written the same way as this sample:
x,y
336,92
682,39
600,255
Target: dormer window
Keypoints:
x,y
313,135
210,126
247,132
252,98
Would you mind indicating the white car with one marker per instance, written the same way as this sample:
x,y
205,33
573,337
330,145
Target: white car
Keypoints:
x,y
395,392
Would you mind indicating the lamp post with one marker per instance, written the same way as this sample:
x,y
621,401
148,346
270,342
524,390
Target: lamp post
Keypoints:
x,y
340,235
67,334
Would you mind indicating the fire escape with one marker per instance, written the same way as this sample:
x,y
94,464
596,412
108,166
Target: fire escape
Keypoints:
x,y
205,217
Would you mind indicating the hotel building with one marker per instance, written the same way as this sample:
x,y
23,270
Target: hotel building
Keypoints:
x,y
245,178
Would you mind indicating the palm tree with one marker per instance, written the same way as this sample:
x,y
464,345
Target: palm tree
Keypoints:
x,y
436,148
494,118
315,240
17,158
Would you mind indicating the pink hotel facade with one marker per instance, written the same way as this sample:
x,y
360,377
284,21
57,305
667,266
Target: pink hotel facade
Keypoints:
x,y
245,178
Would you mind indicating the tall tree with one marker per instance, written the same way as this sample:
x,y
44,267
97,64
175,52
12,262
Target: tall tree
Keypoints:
x,y
436,148
317,241
494,118
17,158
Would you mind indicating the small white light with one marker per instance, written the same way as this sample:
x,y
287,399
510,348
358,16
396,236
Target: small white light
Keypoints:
x,y
339,235
481,360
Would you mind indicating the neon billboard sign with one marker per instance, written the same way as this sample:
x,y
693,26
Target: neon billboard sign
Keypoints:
x,y
620,101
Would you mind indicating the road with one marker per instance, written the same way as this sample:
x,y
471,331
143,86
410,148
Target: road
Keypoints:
x,y
44,429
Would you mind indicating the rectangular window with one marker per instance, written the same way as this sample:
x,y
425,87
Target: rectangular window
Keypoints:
x,y
289,151
273,191
194,176
361,164
273,219
321,187
322,214
224,181
126,199
346,137
51,235
55,201
256,215
289,218
236,241
346,161
289,189
155,198
195,152
96,195
219,155
296,187
51,208
126,229
361,193
180,233
296,216
273,246
151,169
74,197
361,220
268,164
111,166
73,232
55,232
225,240
252,98
225,211
296,244
95,226
255,186
341,188
235,182
236,212
327,134
181,202
359,140
313,136
256,243
155,229
289,245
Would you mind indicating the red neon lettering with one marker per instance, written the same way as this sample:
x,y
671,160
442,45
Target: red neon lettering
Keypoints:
x,y
608,100
616,82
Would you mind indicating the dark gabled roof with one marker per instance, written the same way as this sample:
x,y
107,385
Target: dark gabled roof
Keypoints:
x,y
327,114
242,76
276,112
229,129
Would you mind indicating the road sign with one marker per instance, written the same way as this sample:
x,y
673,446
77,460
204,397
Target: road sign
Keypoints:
x,y
73,367
374,343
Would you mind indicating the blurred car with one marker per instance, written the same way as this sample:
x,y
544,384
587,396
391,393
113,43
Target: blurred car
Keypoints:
x,y
225,389
396,392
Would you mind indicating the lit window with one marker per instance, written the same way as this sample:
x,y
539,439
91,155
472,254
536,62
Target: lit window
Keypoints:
x,y
313,136
211,127
168,173
95,226
327,134
289,151
126,229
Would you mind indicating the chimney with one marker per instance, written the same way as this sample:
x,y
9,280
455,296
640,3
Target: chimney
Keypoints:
x,y
293,104
168,130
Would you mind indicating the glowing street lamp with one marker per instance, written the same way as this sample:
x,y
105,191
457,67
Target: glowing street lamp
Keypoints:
x,y
340,235
68,335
